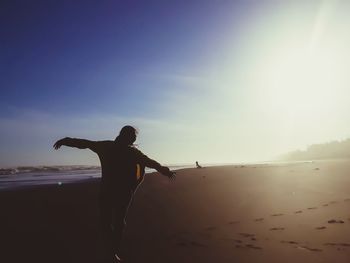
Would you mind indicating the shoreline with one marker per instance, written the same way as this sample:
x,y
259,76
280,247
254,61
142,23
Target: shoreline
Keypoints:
x,y
86,174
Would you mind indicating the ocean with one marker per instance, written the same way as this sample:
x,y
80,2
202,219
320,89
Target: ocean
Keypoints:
x,y
28,176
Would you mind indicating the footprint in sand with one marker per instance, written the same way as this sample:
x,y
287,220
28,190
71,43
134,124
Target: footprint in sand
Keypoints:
x,y
337,244
320,227
298,212
311,208
233,222
246,235
277,228
238,241
326,205
333,202
334,221
277,214
289,242
252,246
310,249
347,200
259,219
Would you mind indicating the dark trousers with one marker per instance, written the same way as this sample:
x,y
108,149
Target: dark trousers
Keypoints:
x,y
113,211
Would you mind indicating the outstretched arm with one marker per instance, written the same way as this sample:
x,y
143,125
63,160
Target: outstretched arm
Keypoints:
x,y
73,142
162,169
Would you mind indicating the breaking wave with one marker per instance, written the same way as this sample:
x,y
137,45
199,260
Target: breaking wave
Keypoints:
x,y
47,169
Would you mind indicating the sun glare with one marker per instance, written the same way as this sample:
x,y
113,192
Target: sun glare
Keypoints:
x,y
302,80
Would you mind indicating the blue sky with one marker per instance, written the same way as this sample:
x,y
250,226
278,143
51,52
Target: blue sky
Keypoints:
x,y
103,54
186,73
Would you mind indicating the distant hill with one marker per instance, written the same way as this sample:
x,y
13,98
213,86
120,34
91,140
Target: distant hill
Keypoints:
x,y
330,150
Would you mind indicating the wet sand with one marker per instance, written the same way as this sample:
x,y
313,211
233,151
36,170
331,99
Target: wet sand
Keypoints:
x,y
256,213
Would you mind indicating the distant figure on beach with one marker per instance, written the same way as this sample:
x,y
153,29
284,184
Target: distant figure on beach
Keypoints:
x,y
197,165
123,168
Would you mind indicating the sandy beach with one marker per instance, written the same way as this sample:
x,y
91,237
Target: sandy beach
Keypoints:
x,y
245,213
